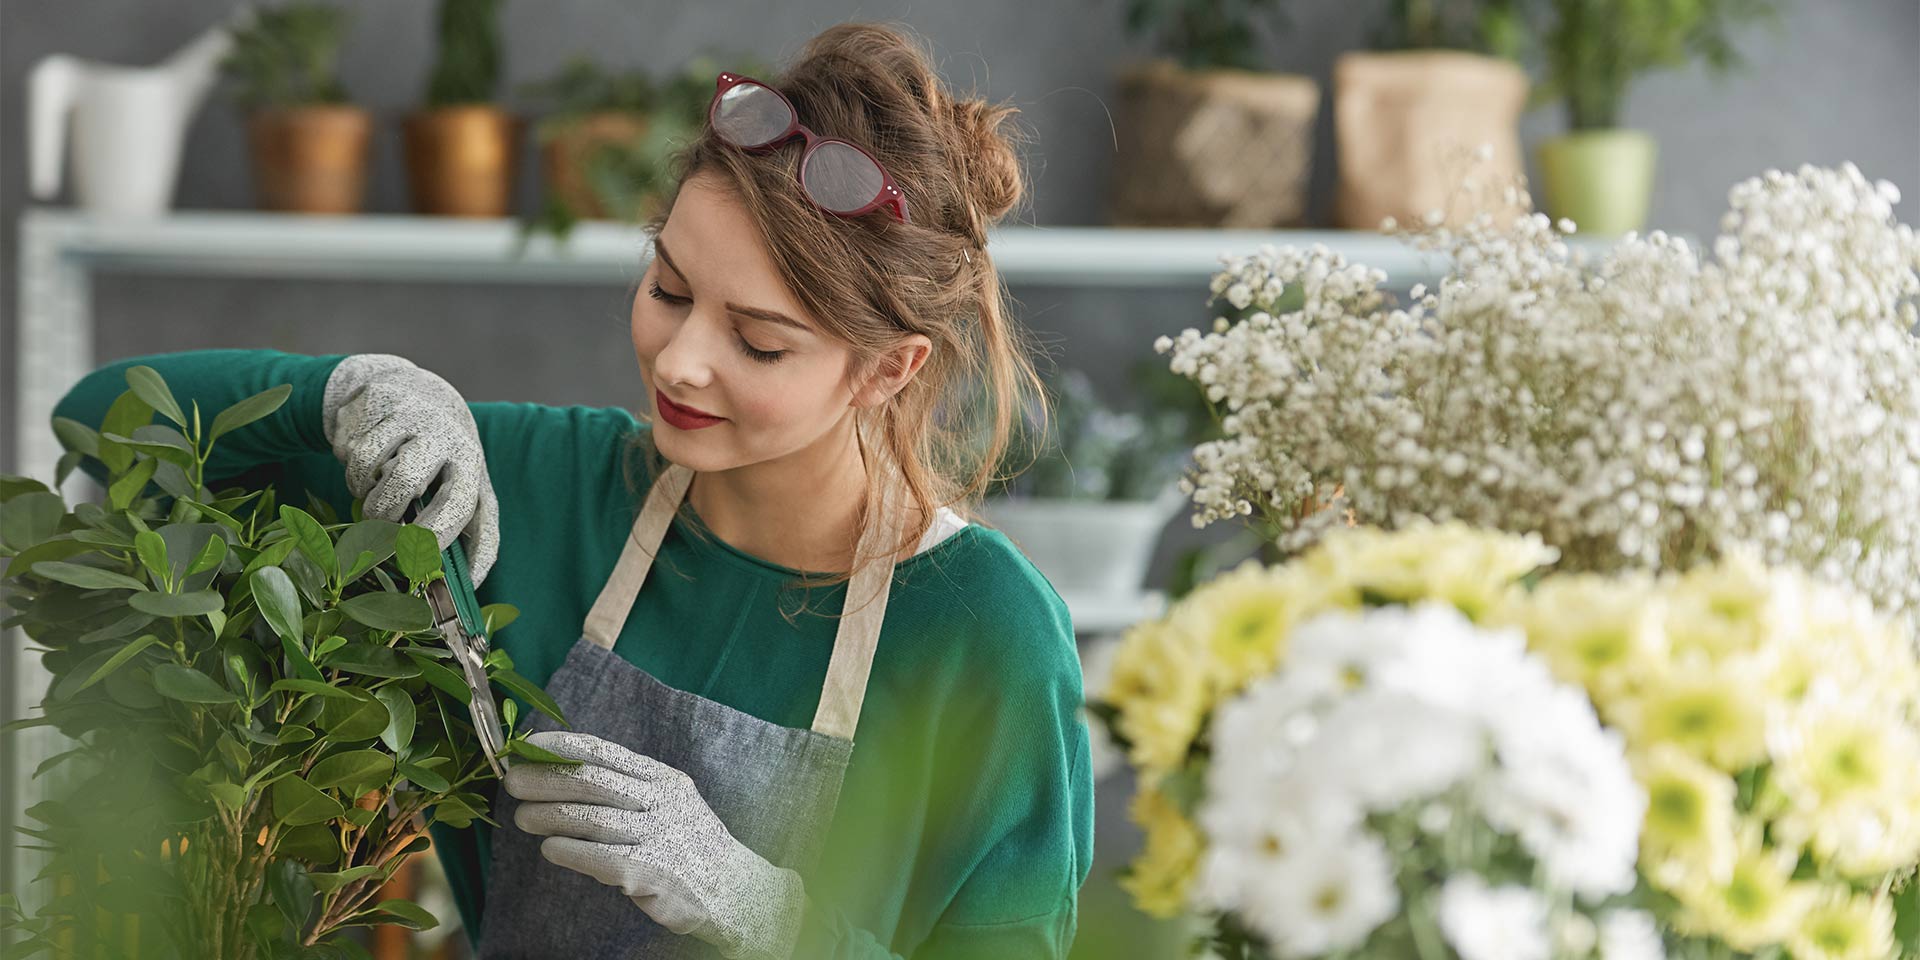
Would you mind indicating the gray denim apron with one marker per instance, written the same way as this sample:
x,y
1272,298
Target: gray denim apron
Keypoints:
x,y
774,787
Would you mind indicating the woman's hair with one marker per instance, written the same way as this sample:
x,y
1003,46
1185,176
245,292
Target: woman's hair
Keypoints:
x,y
871,281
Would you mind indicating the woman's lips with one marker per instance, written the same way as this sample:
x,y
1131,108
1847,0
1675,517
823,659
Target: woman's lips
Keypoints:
x,y
685,418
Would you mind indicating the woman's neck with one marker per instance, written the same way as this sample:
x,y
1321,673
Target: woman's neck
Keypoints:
x,y
799,511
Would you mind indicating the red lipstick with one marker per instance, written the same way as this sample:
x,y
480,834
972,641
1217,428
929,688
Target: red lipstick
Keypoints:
x,y
683,417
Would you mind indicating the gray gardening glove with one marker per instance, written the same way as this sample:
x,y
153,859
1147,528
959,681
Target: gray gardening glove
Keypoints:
x,y
397,427
635,823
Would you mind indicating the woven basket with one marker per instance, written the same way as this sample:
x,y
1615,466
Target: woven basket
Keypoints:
x,y
1407,126
1213,148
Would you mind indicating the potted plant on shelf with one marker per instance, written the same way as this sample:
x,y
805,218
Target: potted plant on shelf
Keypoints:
x,y
1600,174
1090,506
1430,120
258,715
1206,138
309,144
462,148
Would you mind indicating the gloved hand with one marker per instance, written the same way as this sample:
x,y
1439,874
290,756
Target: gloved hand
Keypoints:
x,y
638,824
397,427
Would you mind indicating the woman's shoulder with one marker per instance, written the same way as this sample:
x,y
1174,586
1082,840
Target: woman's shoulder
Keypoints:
x,y
976,596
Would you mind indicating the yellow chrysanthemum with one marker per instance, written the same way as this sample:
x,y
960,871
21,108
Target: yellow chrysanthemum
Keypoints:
x,y
1161,875
1758,903
1688,831
1159,686
1850,778
1603,634
1844,926
1452,562
1726,608
1712,712
1242,620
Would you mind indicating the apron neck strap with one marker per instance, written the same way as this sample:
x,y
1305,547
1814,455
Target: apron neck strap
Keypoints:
x,y
863,611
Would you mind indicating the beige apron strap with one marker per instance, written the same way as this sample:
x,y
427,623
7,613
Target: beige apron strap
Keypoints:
x,y
859,634
610,611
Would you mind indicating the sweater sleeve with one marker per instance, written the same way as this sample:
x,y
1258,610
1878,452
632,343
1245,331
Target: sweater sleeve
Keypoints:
x,y
1006,838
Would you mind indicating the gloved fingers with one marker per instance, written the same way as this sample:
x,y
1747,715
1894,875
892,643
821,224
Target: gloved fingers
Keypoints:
x,y
484,532
602,861
584,783
583,821
369,447
652,887
452,507
408,473
594,750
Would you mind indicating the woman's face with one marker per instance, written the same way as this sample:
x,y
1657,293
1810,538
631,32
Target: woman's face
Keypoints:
x,y
717,330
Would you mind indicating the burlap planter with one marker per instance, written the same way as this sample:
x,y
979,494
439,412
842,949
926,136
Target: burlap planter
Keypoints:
x,y
1408,125
1213,148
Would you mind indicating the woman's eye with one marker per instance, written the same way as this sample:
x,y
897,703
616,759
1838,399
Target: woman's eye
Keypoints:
x,y
754,353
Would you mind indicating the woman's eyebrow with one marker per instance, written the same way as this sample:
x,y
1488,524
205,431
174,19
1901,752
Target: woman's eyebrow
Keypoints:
x,y
751,313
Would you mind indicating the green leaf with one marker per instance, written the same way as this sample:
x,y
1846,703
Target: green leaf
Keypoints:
x,y
373,660
369,536
58,548
297,660
400,713
389,611
522,748
409,914
527,690
353,772
287,881
425,778
418,551
496,616
362,719
127,414
448,681
123,491
81,575
247,411
318,688
454,813
196,604
229,795
316,843
189,685
210,556
325,882
273,592
157,449
74,435
296,802
153,556
294,733
147,384
312,538
31,518
119,657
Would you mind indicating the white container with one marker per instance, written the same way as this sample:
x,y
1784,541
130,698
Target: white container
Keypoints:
x,y
1091,548
127,126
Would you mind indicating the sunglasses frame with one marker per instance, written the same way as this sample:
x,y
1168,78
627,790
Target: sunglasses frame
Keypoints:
x,y
889,195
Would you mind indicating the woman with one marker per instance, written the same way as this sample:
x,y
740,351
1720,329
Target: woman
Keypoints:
x,y
789,513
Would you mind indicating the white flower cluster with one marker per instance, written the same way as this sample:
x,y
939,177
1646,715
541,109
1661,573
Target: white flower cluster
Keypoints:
x,y
1414,716
1649,410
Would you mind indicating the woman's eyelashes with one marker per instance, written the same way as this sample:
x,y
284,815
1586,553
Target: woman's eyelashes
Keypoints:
x,y
761,356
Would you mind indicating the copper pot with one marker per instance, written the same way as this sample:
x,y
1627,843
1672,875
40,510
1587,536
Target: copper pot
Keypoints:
x,y
310,159
568,147
461,160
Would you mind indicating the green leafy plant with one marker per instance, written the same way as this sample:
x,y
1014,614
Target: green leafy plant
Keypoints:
x,y
631,179
286,56
1203,34
261,722
1495,27
468,67
1595,48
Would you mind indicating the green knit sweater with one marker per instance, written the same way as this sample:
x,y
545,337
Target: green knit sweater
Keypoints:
x,y
964,827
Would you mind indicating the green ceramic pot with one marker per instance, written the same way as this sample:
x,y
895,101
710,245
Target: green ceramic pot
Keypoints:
x,y
1602,180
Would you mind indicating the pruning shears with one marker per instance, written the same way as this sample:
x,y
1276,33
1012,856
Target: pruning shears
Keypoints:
x,y
456,614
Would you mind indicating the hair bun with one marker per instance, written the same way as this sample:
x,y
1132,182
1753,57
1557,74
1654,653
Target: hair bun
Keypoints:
x,y
985,156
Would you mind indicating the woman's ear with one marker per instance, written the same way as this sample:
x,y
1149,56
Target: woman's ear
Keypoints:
x,y
893,370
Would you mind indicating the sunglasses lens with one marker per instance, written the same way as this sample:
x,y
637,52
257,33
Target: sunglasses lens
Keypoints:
x,y
840,177
749,115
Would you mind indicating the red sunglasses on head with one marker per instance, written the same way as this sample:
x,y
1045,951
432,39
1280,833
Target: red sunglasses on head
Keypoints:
x,y
838,177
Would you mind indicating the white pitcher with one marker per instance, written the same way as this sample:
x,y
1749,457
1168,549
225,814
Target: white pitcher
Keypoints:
x,y
129,124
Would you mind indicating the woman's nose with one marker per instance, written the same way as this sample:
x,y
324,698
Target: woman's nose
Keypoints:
x,y
688,358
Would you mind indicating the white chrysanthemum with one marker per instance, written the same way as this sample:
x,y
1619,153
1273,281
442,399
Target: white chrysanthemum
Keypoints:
x,y
1630,935
1325,897
1493,923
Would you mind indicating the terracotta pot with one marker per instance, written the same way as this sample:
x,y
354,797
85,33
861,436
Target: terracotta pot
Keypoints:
x,y
310,159
1408,124
461,160
1213,148
568,147
1602,180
